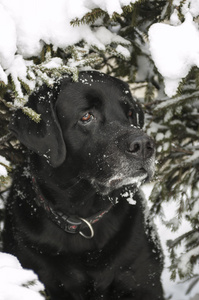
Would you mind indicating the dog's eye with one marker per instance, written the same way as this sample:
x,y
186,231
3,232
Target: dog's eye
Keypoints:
x,y
87,117
130,114
132,117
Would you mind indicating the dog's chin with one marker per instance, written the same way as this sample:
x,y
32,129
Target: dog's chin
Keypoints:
x,y
118,181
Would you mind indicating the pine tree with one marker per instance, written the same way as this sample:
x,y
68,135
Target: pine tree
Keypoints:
x,y
173,122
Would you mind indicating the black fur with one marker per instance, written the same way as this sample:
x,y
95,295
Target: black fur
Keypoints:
x,y
80,165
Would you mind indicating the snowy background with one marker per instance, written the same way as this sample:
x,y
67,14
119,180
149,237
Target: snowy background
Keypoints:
x,y
26,25
176,289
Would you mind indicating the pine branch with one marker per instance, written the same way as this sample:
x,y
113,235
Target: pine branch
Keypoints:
x,y
89,18
176,101
6,138
172,244
32,114
193,283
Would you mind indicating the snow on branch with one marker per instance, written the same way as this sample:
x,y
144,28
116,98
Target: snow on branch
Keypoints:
x,y
36,50
175,47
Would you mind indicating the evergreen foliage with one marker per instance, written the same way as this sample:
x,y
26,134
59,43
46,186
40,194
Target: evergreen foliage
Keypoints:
x,y
174,123
177,136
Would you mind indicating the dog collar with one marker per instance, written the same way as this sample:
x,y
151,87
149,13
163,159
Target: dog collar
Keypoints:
x,y
70,224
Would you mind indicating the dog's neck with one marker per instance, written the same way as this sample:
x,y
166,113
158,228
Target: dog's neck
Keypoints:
x,y
70,201
70,224
77,207
73,193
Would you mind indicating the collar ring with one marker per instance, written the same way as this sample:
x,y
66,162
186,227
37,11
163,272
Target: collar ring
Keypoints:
x,y
90,227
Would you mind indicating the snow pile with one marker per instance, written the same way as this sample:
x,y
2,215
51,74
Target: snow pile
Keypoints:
x,y
175,48
17,283
25,26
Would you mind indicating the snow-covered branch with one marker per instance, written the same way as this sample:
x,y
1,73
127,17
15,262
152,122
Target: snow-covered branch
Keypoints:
x,y
23,37
175,46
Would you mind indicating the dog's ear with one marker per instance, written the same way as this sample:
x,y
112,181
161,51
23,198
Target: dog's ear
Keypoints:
x,y
44,138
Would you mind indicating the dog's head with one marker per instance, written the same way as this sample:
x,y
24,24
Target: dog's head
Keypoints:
x,y
92,128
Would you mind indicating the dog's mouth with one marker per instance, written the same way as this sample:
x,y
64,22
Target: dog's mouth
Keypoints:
x,y
138,178
121,180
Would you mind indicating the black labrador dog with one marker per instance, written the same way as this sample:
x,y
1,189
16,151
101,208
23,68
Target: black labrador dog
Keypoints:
x,y
75,214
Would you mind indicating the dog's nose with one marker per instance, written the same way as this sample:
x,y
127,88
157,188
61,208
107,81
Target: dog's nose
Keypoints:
x,y
142,147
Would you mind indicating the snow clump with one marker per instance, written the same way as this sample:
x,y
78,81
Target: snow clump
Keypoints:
x,y
175,49
16,282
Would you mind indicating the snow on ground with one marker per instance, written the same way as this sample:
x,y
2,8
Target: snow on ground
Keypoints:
x,y
17,283
172,288
175,47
